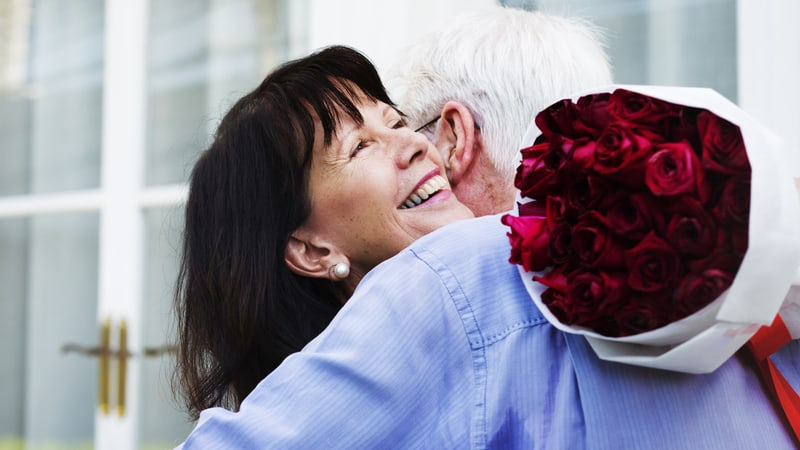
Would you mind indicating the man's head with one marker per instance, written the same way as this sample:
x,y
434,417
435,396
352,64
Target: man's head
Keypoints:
x,y
485,75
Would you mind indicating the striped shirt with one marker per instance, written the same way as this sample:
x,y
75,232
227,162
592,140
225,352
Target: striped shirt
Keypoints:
x,y
441,348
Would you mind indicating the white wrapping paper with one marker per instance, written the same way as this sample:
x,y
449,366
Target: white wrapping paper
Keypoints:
x,y
700,343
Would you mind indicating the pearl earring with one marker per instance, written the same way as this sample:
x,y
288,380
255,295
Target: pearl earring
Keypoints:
x,y
340,270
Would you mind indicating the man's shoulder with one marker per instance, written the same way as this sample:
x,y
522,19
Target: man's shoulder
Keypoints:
x,y
470,257
467,238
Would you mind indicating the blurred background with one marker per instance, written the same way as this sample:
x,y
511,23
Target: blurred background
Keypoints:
x,y
104,105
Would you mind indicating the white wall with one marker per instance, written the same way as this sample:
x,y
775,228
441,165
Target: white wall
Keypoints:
x,y
378,28
769,67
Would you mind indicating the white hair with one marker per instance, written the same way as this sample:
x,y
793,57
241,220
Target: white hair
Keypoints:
x,y
505,65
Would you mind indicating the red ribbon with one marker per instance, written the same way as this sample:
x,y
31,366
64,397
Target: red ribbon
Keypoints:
x,y
765,342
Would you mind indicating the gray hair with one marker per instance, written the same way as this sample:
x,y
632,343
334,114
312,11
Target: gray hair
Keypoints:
x,y
505,65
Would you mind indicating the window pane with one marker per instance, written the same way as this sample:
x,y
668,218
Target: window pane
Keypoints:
x,y
202,56
669,42
163,423
48,274
51,66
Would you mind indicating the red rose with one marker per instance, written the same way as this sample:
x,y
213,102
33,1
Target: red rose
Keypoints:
x,y
581,153
595,294
734,203
725,261
674,169
622,152
555,210
638,108
557,278
556,302
586,191
652,264
532,208
529,241
594,244
593,114
697,290
555,296
560,246
723,146
558,118
633,215
537,174
738,239
643,315
691,230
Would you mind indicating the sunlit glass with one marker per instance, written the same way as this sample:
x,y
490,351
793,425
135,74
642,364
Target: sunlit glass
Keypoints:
x,y
427,124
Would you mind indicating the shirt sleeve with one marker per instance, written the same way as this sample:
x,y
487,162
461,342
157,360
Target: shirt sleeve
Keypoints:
x,y
395,358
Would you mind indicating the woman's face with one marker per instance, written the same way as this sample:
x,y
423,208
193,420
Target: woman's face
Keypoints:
x,y
378,187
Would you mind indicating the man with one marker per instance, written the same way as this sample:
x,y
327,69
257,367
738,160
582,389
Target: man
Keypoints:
x,y
441,347
484,76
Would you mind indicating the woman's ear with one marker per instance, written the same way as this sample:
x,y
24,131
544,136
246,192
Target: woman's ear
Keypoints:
x,y
307,258
308,255
457,140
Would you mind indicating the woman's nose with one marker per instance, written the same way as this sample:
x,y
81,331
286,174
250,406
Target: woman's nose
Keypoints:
x,y
413,146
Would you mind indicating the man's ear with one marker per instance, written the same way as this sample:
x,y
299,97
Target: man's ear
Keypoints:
x,y
457,140
309,257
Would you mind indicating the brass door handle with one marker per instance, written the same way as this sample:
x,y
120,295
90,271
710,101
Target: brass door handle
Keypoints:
x,y
105,340
122,367
105,354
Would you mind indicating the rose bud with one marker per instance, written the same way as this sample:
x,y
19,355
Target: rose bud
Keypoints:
x,y
596,294
734,203
724,260
559,306
674,169
593,114
640,109
560,246
556,210
586,191
622,152
557,278
633,215
529,241
692,230
594,244
536,175
723,146
532,208
696,290
558,118
643,315
652,264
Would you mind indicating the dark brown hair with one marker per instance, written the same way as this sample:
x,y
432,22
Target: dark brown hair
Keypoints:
x,y
240,310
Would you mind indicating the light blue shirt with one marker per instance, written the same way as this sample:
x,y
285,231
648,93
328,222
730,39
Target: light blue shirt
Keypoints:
x,y
441,348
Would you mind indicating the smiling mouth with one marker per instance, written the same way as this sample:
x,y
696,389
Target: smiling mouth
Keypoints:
x,y
426,191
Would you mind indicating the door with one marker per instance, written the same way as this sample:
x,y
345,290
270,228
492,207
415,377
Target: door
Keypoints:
x,y
104,105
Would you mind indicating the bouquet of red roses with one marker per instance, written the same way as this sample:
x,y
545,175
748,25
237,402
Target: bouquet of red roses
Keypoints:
x,y
637,210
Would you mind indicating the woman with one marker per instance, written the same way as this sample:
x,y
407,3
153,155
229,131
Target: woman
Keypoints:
x,y
312,180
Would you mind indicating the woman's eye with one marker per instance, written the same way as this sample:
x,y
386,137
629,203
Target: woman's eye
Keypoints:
x,y
359,146
400,124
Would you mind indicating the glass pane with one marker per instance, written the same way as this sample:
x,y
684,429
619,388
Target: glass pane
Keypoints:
x,y
13,271
163,424
48,274
202,56
51,67
670,42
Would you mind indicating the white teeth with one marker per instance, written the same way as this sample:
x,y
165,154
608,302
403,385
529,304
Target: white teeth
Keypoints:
x,y
424,192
